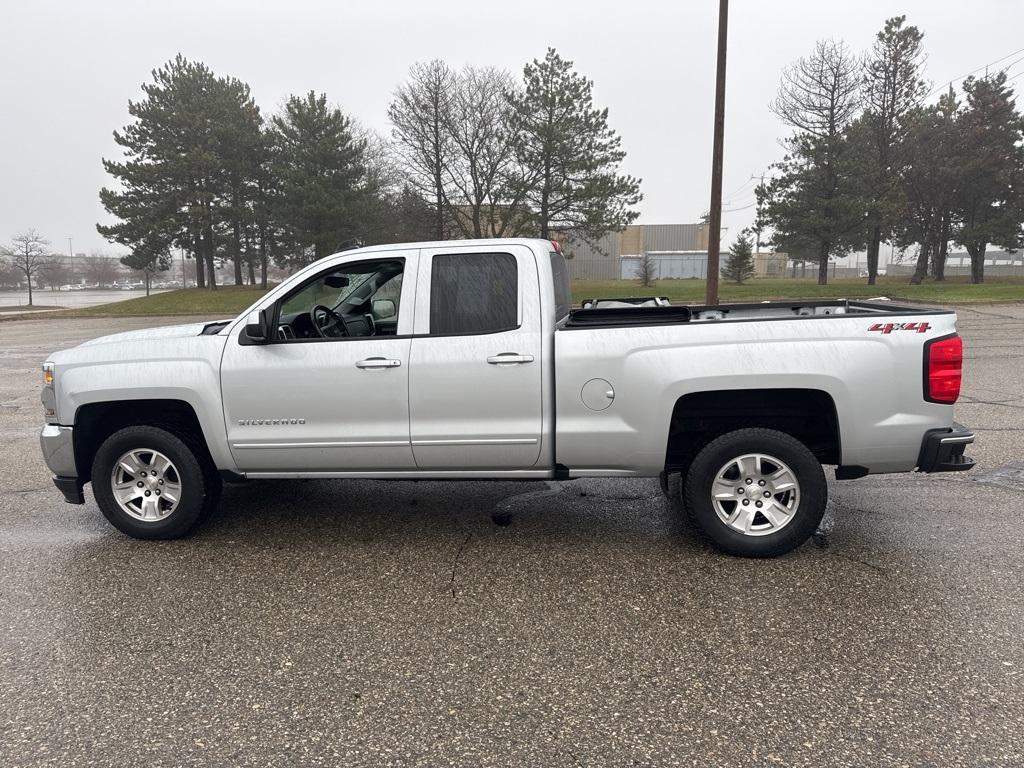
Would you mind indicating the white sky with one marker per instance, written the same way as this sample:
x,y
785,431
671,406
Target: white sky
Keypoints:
x,y
68,69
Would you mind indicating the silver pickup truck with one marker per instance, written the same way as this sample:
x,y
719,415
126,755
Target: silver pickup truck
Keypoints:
x,y
466,360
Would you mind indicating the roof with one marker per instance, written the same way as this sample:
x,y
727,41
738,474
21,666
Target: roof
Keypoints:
x,y
481,243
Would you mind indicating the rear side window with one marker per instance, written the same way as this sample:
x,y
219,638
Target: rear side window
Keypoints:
x,y
560,282
473,293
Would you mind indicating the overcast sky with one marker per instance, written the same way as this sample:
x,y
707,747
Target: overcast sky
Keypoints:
x,y
69,69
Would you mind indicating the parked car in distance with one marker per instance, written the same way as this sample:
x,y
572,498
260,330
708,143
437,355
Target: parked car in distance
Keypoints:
x,y
465,359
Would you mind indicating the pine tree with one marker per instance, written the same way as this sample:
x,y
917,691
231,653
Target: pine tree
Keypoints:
x,y
183,169
572,156
244,150
646,270
321,170
739,265
988,198
150,256
932,153
892,89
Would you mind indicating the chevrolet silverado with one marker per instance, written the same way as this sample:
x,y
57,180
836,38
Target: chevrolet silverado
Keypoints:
x,y
466,360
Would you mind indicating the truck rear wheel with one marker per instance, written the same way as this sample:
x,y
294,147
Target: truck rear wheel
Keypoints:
x,y
756,492
150,484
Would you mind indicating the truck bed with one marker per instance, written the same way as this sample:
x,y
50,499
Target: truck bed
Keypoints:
x,y
621,369
642,315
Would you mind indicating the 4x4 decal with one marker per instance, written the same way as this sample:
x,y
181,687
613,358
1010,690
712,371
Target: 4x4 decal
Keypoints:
x,y
890,327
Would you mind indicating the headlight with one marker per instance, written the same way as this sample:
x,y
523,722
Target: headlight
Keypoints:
x,y
49,396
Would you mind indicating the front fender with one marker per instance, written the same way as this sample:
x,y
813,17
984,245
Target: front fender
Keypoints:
x,y
179,369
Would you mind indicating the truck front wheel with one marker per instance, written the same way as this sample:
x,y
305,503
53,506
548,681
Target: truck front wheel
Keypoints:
x,y
150,484
756,492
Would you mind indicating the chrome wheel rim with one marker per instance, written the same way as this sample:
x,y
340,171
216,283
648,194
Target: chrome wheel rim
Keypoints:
x,y
755,494
146,485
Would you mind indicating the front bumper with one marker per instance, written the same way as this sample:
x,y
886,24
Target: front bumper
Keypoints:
x,y
58,447
942,450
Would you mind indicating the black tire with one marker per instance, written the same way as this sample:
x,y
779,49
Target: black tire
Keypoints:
x,y
200,484
810,505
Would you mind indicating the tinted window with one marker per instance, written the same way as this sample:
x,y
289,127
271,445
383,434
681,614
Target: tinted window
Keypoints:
x,y
473,293
560,282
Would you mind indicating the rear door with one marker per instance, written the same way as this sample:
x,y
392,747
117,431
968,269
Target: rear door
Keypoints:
x,y
475,371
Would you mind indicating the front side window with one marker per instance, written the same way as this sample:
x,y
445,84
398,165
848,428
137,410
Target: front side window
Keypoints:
x,y
473,293
357,299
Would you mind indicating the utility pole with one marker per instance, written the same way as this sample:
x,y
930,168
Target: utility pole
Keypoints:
x,y
715,222
71,261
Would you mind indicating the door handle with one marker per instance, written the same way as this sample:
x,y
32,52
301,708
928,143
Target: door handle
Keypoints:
x,y
509,357
378,362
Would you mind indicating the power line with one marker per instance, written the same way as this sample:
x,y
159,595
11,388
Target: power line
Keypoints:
x,y
945,83
1012,64
741,186
740,200
734,210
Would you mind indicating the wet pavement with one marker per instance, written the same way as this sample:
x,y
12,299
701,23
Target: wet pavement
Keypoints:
x,y
364,623
66,299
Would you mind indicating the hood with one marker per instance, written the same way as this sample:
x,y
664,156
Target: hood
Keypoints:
x,y
164,332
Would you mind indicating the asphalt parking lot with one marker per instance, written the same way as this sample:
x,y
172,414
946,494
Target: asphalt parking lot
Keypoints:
x,y
67,299
363,623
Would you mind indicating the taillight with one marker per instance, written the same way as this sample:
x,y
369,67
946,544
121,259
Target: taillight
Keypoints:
x,y
943,367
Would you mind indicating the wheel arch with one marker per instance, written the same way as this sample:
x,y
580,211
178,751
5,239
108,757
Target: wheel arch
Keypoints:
x,y
95,422
809,415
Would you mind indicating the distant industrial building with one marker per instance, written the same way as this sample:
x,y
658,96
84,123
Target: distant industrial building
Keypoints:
x,y
678,251
603,260
681,265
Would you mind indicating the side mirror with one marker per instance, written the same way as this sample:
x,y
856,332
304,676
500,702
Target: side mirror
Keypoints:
x,y
384,309
258,327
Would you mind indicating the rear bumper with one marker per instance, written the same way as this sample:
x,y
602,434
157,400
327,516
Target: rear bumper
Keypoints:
x,y
942,450
58,447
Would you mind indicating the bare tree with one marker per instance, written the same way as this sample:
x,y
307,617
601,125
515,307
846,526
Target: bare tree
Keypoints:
x,y
421,117
9,275
54,273
819,94
100,269
811,201
483,174
28,254
646,270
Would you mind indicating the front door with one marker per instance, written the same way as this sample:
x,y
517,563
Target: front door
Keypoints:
x,y
476,360
331,392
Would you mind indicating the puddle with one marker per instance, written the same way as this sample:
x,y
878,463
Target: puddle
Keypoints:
x,y
1008,476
